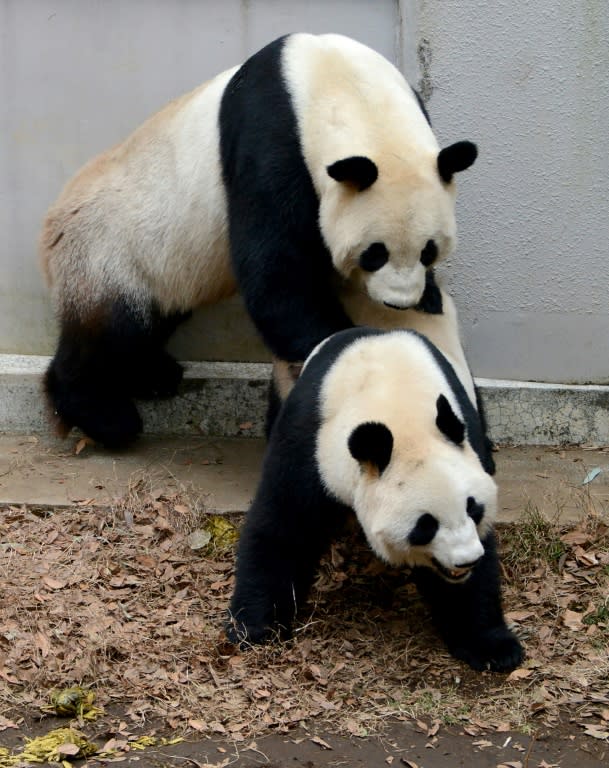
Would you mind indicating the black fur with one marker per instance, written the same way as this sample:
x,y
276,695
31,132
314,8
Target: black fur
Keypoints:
x,y
431,300
374,257
281,263
448,422
359,171
97,370
421,104
424,531
457,157
293,519
469,616
372,442
429,254
475,510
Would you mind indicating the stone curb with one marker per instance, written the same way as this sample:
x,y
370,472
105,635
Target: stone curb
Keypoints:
x,y
229,400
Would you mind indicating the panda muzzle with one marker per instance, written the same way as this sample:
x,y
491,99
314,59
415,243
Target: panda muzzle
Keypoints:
x,y
457,573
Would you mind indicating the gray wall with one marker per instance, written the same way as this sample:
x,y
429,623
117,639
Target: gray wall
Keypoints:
x,y
528,82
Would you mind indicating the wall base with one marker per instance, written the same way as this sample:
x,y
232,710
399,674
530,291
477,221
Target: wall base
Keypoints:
x,y
229,400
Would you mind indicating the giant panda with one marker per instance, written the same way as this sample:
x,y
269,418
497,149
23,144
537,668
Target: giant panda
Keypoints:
x,y
379,424
314,159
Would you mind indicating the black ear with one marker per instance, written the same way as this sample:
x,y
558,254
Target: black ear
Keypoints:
x,y
448,422
359,171
456,158
372,443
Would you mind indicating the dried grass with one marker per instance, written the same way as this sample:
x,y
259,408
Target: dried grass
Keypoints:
x,y
116,599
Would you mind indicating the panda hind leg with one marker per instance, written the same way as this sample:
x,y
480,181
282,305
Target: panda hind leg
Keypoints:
x,y
101,364
80,398
157,373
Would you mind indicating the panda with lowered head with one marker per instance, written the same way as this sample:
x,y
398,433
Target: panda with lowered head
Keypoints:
x,y
379,424
310,167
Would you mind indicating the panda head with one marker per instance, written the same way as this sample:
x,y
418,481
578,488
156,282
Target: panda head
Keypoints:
x,y
425,502
387,223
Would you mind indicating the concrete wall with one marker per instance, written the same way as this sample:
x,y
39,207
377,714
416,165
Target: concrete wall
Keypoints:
x,y
528,83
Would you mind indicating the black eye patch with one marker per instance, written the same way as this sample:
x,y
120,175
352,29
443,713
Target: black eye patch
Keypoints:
x,y
424,531
429,254
374,257
475,510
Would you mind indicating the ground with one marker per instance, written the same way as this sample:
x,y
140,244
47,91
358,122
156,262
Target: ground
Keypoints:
x,y
127,599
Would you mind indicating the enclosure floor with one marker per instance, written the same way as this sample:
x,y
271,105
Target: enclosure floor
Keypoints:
x,y
222,474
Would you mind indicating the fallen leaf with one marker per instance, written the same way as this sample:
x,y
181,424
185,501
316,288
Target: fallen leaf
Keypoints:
x,y
323,744
198,725
52,583
199,539
572,620
596,732
68,749
520,674
518,615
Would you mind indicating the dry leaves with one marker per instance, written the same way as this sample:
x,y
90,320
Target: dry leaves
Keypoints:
x,y
131,602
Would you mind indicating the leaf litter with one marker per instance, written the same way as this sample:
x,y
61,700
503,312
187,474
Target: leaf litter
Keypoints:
x,y
129,603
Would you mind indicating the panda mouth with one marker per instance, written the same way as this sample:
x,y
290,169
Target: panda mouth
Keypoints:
x,y
454,575
395,306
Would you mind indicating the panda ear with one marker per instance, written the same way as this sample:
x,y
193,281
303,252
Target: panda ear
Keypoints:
x,y
448,422
456,158
371,444
359,171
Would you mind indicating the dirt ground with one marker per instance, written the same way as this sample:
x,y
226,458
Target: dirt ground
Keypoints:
x,y
128,600
401,744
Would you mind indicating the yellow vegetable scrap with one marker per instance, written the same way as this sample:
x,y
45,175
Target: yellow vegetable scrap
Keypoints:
x,y
223,533
74,702
59,746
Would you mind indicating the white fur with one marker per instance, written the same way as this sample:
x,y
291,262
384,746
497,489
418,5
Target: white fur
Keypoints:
x,y
393,379
349,101
442,330
147,218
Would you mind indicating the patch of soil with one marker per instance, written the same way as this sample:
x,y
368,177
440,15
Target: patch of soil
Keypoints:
x,y
130,601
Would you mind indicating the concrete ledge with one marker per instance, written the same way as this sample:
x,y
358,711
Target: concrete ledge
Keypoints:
x,y
229,400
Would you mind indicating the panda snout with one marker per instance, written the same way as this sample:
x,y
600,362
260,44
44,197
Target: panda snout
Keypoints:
x,y
455,573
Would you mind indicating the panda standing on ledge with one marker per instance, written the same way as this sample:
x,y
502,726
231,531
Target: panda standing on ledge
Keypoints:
x,y
312,161
379,424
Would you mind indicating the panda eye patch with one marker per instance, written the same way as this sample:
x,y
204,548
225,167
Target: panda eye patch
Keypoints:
x,y
424,531
374,257
475,510
429,254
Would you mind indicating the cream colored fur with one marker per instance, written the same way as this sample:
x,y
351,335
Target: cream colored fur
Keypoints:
x,y
393,379
442,330
351,101
146,219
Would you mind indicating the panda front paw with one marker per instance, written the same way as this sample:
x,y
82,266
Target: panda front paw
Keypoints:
x,y
247,634
497,649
